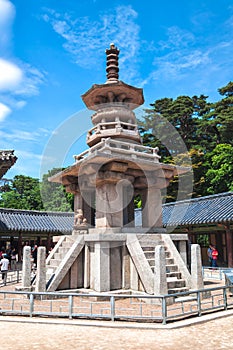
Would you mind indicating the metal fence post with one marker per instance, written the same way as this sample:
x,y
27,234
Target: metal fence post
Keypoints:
x,y
220,272
70,306
17,274
225,298
199,303
112,305
31,304
164,310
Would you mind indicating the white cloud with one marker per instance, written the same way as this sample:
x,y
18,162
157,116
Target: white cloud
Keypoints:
x,y
4,111
7,14
85,39
18,135
10,75
19,79
31,81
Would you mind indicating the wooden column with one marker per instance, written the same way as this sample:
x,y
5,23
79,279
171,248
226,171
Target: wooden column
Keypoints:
x,y
20,247
229,244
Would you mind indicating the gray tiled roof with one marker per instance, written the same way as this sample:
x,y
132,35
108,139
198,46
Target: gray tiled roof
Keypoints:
x,y
216,208
7,160
204,210
35,221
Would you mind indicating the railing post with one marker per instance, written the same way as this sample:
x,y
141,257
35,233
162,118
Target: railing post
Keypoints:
x,y
225,298
199,303
112,305
220,273
164,310
70,306
31,304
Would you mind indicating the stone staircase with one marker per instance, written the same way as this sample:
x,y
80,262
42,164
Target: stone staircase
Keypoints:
x,y
61,259
175,282
54,260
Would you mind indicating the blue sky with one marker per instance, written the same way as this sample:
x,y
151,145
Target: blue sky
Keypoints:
x,y
51,52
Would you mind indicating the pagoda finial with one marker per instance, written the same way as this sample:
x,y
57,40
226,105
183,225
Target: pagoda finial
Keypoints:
x,y
112,63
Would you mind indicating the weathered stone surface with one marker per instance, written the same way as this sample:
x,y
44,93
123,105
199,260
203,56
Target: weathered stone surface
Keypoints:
x,y
41,270
26,276
160,280
196,267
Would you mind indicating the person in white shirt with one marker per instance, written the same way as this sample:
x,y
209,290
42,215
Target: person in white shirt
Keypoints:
x,y
4,267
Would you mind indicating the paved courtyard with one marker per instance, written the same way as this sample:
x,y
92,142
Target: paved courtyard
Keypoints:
x,y
213,331
25,333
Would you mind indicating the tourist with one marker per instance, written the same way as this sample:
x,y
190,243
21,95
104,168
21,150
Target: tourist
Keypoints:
x,y
4,267
214,256
209,253
14,258
34,255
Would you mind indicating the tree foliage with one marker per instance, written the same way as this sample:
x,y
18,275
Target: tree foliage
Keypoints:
x,y
30,194
23,193
54,196
202,130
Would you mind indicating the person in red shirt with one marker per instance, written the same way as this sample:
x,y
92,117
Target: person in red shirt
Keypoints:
x,y
214,256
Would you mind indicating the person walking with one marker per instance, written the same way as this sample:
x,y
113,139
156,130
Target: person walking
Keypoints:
x,y
4,267
14,256
214,256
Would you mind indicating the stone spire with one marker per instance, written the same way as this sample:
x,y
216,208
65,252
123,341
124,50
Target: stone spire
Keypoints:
x,y
112,64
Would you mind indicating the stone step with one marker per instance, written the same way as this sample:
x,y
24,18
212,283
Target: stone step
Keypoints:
x,y
58,255
63,250
49,271
151,254
66,244
150,244
54,262
169,261
176,274
177,290
171,268
171,284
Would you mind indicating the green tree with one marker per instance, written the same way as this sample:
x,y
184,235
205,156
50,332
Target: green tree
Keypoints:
x,y
22,193
54,196
219,176
183,114
217,124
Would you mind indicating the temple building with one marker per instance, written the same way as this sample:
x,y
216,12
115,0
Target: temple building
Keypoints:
x,y
7,160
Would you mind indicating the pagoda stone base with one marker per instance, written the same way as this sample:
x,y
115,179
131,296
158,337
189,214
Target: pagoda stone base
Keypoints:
x,y
118,261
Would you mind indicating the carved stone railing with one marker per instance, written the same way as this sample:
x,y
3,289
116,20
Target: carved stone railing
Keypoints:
x,y
113,128
120,148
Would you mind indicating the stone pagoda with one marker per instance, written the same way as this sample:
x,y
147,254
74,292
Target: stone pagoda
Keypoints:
x,y
106,251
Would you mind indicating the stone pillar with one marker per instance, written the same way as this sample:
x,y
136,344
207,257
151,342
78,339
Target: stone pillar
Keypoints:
x,y
183,251
78,201
26,269
109,205
196,267
41,270
128,210
160,279
88,206
86,267
102,267
134,278
125,268
151,207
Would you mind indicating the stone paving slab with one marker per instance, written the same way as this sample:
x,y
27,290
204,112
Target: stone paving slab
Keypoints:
x,y
213,330
36,333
